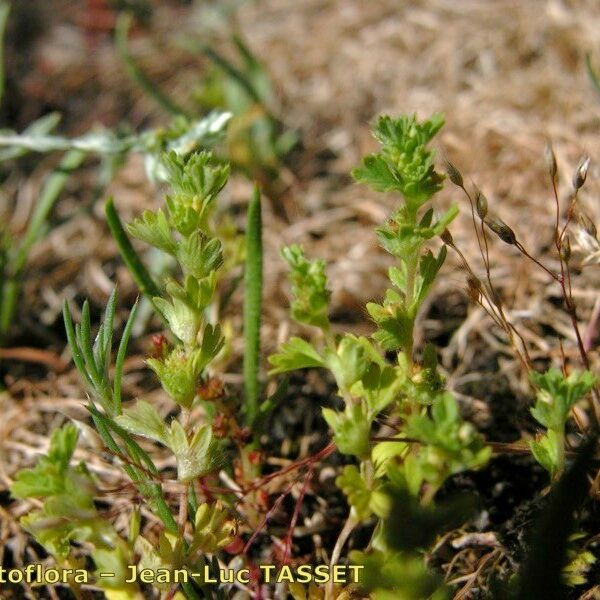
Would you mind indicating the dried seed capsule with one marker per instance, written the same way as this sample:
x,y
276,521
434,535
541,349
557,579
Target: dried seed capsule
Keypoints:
x,y
481,204
502,230
454,174
581,172
565,249
447,237
550,159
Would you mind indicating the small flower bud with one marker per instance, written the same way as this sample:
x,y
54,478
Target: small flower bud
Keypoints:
x,y
481,204
550,159
581,172
502,230
454,174
565,249
447,237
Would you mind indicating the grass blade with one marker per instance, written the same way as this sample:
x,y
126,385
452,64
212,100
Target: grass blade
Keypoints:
x,y
4,12
103,342
134,451
140,274
84,335
120,360
134,71
233,72
73,345
253,306
54,186
152,490
591,72
98,378
50,193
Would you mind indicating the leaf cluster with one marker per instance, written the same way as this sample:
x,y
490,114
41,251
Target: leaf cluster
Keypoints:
x,y
68,515
557,395
448,445
310,304
405,163
433,442
196,456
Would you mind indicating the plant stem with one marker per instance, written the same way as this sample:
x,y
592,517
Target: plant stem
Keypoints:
x,y
560,453
347,529
412,266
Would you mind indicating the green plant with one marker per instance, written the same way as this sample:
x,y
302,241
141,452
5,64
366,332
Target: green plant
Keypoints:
x,y
432,441
556,396
579,561
4,13
551,560
182,137
556,392
135,72
185,229
256,141
69,516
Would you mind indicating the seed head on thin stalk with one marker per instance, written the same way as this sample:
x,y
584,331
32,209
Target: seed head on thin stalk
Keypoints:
x,y
564,279
550,160
502,230
454,174
447,238
481,204
507,235
581,172
476,291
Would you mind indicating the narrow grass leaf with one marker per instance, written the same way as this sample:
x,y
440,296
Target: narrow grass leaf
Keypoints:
x,y
103,342
73,345
253,305
140,274
50,193
135,72
84,335
592,73
120,360
4,12
229,68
